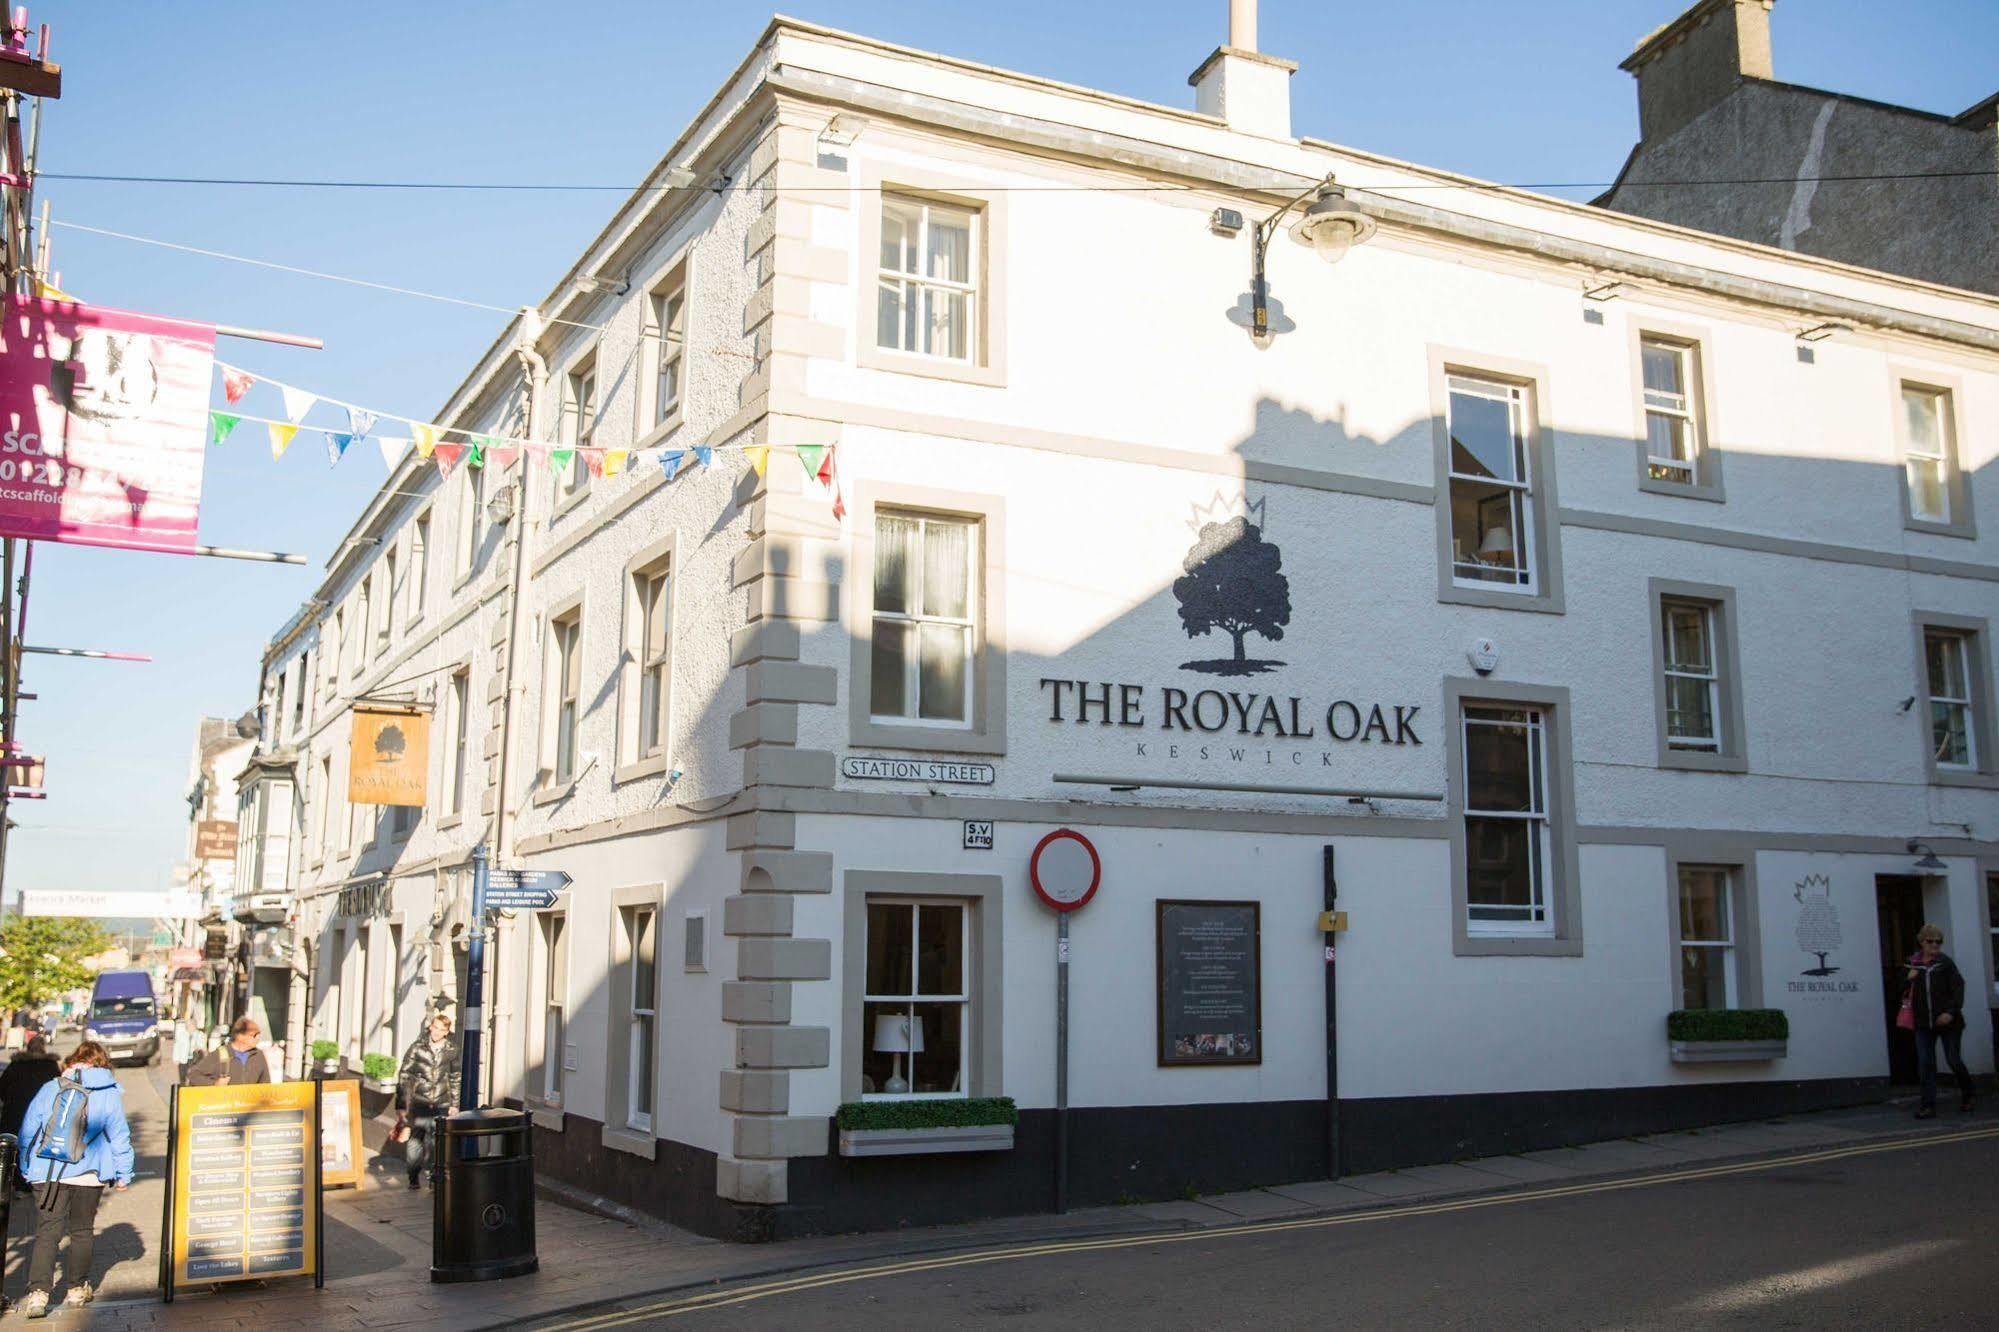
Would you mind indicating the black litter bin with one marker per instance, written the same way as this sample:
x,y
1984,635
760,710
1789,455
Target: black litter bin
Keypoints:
x,y
483,1225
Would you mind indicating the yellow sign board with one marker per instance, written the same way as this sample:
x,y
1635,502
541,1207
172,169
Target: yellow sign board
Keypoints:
x,y
388,759
244,1200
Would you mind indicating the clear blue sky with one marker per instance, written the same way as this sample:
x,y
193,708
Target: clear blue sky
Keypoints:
x,y
593,91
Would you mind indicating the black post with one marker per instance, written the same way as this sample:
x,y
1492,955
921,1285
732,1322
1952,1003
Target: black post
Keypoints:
x,y
1332,897
1062,1062
318,1188
167,1207
475,988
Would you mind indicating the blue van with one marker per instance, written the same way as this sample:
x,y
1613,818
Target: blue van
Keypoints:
x,y
124,1016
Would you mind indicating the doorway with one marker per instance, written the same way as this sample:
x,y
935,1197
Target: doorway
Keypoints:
x,y
1898,912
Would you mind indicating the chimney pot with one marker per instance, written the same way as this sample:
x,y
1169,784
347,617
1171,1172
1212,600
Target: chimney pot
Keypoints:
x,y
1242,24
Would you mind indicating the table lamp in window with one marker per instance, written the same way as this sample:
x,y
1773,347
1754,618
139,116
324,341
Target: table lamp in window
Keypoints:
x,y
895,1034
1497,546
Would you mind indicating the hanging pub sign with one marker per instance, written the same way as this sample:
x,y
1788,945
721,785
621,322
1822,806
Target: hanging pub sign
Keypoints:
x,y
388,757
1210,983
103,419
215,839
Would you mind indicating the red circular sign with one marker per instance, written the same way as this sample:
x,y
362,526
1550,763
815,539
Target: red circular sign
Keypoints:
x,y
1065,870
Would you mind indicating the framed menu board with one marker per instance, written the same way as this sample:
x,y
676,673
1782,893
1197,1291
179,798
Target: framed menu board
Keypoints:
x,y
1210,983
340,1132
243,1198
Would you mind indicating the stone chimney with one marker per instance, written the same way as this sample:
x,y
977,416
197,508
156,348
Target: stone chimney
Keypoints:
x,y
1696,60
1249,90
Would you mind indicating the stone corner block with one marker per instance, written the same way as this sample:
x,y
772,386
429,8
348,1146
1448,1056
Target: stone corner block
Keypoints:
x,y
773,1136
756,1001
784,959
790,682
766,640
762,828
750,1181
756,1092
776,871
756,913
764,724
771,765
782,1047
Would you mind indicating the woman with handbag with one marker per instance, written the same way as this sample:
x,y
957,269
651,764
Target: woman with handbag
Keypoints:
x,y
1933,1010
426,1088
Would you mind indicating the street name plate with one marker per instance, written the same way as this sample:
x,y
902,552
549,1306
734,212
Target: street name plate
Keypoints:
x,y
951,772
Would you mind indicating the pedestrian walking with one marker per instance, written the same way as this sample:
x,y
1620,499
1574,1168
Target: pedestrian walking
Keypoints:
x,y
426,1087
70,1189
237,1063
26,1073
1933,1008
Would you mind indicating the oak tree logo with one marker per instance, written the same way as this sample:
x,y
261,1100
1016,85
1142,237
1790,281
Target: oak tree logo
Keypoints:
x,y
390,744
1818,922
1234,582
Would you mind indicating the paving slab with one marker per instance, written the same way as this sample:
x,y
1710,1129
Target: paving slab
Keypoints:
x,y
1181,1213
1392,1184
1328,1195
1521,1170
1255,1204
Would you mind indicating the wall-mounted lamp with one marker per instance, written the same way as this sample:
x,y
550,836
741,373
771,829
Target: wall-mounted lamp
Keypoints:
x,y
1331,226
1820,332
1608,291
1928,863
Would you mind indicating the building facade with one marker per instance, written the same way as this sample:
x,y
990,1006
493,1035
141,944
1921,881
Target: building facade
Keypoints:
x,y
1610,650
1864,182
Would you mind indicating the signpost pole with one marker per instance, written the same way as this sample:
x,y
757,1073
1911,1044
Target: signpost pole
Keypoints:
x,y
1062,1062
475,984
1332,887
319,1187
167,1206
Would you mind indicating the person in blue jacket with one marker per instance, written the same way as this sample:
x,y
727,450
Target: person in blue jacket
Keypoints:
x,y
67,1194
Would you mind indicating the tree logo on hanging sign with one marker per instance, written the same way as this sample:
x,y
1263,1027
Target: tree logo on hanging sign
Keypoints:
x,y
390,744
1233,582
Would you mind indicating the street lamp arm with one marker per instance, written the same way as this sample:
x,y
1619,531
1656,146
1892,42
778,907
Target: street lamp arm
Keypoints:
x,y
1259,244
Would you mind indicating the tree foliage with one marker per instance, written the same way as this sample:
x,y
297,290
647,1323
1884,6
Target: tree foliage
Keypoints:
x,y
1233,583
43,957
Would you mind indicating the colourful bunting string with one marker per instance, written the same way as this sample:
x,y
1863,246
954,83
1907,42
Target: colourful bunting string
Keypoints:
x,y
670,461
593,461
235,383
825,472
359,422
297,402
560,459
503,455
759,456
614,461
809,456
447,456
281,437
392,451
703,455
219,426
336,446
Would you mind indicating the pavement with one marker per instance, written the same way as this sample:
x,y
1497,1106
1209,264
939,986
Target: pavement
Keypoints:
x,y
378,1237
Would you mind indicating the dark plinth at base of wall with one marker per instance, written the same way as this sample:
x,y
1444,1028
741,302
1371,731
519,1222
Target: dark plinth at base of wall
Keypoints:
x,y
1152,1153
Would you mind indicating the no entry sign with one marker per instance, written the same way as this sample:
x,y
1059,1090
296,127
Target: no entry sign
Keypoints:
x,y
1064,869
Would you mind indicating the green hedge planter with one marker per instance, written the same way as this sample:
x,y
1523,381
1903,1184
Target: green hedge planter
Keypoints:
x,y
912,1128
378,1067
1727,1035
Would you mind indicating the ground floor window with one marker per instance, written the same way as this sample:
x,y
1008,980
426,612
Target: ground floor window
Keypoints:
x,y
1707,937
642,945
917,1004
1508,844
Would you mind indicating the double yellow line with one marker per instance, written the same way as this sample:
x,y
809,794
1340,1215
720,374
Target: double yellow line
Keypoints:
x,y
720,1299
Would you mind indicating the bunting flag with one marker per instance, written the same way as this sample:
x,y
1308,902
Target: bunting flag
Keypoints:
x,y
759,456
825,472
219,426
614,461
830,473
281,438
475,452
425,438
235,383
809,456
486,452
704,456
593,461
503,455
297,402
359,422
670,461
336,446
447,456
392,451
560,459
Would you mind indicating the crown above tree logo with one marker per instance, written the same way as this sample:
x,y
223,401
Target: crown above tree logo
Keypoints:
x,y
1224,507
1816,885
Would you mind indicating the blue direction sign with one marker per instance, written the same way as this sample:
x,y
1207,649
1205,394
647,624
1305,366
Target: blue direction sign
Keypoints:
x,y
524,890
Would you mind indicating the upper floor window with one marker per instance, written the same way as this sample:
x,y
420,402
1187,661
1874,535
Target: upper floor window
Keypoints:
x,y
1927,455
419,570
579,425
357,626
565,679
391,589
471,497
666,329
927,297
1672,419
1491,484
1693,681
457,757
1953,730
1507,834
924,618
1697,677
651,586
298,696
277,729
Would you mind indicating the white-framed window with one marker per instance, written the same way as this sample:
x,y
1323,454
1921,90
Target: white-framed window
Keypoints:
x,y
554,1002
278,707
652,585
298,695
1707,937
916,1008
1491,483
642,943
385,622
565,678
419,570
1926,452
471,498
1953,728
392,965
1672,420
457,757
928,286
1508,842
579,424
666,329
322,836
925,618
1693,678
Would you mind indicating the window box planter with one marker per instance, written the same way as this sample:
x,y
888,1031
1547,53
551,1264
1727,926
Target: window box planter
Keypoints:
x,y
912,1128
1727,1035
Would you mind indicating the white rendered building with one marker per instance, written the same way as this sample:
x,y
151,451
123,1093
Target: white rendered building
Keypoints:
x,y
1603,607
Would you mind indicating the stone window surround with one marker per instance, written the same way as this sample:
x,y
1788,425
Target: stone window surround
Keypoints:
x,y
1718,851
546,789
920,181
987,732
584,358
984,896
678,270
617,1135
419,592
451,670
1962,522
1548,596
1978,665
1733,754
1564,884
1706,484
534,1053
631,651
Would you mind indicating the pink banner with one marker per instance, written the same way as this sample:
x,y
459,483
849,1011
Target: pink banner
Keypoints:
x,y
103,424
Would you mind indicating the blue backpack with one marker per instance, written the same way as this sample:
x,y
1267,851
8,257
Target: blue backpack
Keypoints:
x,y
66,1130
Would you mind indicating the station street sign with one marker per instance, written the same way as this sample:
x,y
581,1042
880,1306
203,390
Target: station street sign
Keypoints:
x,y
524,890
